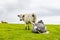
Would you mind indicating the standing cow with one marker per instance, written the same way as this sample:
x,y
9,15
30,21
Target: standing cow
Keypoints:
x,y
28,19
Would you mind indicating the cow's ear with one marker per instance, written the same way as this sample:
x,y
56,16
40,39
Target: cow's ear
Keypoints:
x,y
18,15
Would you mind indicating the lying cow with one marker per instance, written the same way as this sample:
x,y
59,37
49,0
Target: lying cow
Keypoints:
x,y
39,27
28,19
4,22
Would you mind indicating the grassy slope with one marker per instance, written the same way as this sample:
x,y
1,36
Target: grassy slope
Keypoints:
x,y
17,32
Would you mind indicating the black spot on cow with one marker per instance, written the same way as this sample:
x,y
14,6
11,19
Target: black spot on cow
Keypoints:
x,y
23,15
33,15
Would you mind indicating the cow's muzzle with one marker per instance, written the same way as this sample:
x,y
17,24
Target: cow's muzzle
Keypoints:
x,y
20,19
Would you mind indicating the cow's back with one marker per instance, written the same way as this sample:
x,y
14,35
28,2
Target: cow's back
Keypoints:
x,y
29,17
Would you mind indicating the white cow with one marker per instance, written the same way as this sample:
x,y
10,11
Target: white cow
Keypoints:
x,y
4,22
28,19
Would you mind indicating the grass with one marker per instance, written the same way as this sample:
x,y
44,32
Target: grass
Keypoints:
x,y
17,32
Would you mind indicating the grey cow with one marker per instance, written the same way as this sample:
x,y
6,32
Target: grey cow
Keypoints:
x,y
39,27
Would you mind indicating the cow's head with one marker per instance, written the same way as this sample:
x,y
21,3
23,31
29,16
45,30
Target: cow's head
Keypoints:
x,y
40,21
21,17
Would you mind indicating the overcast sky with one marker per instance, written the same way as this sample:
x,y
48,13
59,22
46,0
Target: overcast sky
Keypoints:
x,y
47,10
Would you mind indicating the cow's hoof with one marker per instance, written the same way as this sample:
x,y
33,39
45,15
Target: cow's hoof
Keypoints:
x,y
28,29
25,28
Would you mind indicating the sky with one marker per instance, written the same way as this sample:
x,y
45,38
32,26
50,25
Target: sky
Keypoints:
x,y
46,10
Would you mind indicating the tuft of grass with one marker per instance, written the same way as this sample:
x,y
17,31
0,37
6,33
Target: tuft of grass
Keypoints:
x,y
17,32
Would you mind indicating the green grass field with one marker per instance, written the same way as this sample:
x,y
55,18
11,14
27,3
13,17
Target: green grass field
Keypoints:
x,y
17,32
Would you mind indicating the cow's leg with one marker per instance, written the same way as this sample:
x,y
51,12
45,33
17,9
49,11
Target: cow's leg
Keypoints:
x,y
25,26
28,27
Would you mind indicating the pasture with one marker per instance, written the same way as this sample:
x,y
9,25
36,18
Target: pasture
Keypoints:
x,y
17,32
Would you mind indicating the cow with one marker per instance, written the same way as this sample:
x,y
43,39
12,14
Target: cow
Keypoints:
x,y
28,19
4,22
39,27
